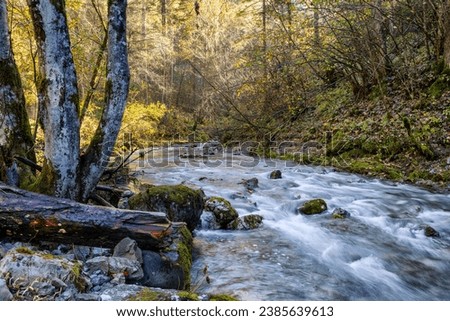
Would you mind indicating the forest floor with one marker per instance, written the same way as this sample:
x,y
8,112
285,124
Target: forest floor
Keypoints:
x,y
404,140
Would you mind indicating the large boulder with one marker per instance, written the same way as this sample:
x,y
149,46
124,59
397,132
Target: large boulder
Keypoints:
x,y
222,210
179,202
315,206
41,276
171,267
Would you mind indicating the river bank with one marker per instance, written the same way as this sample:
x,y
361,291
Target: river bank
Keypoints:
x,y
402,140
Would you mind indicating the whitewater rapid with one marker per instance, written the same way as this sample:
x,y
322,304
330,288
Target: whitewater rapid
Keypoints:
x,y
379,253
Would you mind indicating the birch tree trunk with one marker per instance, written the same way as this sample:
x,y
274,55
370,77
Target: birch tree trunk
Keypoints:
x,y
58,99
15,133
99,151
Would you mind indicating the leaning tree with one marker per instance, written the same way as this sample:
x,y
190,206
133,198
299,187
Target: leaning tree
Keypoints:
x,y
66,172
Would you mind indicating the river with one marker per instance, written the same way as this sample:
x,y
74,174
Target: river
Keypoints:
x,y
379,253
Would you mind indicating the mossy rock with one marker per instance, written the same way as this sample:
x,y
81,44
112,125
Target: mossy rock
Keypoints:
x,y
315,206
179,202
37,272
183,246
246,222
223,212
171,267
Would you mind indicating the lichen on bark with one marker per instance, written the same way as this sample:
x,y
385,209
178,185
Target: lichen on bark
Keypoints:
x,y
58,99
15,133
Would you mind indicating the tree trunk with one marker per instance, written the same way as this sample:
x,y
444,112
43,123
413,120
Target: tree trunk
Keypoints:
x,y
58,99
447,34
15,133
97,156
29,217
316,24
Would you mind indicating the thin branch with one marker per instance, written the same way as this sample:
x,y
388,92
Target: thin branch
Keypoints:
x,y
29,163
112,171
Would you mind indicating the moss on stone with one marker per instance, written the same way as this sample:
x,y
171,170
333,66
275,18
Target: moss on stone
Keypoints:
x,y
315,206
184,250
222,209
182,245
246,222
179,194
48,256
77,278
222,297
179,202
136,200
148,294
338,216
188,296
340,213
24,250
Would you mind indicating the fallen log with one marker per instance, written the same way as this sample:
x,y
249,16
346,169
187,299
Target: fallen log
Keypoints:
x,y
31,217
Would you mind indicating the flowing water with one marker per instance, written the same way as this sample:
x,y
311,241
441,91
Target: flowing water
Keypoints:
x,y
379,253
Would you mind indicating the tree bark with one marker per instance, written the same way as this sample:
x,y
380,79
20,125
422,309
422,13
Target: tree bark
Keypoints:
x,y
15,133
447,33
97,156
31,217
58,99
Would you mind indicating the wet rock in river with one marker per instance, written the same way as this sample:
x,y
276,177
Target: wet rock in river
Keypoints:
x,y
222,210
179,202
246,222
315,206
340,213
208,221
431,232
250,184
276,174
238,195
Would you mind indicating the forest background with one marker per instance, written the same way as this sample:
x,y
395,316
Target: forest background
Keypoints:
x,y
359,85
